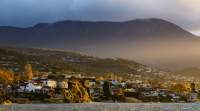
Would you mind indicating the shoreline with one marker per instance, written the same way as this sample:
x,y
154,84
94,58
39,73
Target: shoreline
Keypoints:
x,y
103,107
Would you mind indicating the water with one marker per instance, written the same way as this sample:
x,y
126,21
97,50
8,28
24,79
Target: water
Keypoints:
x,y
104,107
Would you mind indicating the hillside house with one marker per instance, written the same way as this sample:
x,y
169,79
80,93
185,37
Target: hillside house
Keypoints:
x,y
91,84
193,97
62,84
30,87
50,83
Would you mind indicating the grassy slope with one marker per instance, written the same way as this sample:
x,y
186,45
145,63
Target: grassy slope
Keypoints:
x,y
191,72
60,61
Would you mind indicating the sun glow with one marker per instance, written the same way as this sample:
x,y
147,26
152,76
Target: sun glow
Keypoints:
x,y
196,32
191,4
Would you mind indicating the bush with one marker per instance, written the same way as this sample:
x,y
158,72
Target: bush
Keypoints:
x,y
4,99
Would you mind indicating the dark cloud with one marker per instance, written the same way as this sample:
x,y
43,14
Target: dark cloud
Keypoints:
x,y
28,12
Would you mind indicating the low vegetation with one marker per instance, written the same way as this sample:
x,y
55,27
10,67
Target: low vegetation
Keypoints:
x,y
63,62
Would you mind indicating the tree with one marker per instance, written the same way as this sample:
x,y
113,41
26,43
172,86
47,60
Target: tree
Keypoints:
x,y
193,87
107,90
179,88
2,97
109,75
28,72
76,93
6,77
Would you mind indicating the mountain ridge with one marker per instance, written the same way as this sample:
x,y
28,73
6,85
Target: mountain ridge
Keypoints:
x,y
143,40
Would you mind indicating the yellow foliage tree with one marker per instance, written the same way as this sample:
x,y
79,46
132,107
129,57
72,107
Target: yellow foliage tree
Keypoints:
x,y
28,72
77,93
6,77
109,75
179,88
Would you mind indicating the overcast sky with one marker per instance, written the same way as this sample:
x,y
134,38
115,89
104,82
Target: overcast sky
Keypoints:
x,y
23,13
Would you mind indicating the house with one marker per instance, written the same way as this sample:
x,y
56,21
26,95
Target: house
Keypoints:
x,y
50,83
114,82
116,88
175,97
123,84
163,92
44,76
95,92
131,92
91,84
101,82
193,97
150,94
21,87
31,87
62,84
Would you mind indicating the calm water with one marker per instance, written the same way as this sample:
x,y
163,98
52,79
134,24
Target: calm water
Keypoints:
x,y
104,107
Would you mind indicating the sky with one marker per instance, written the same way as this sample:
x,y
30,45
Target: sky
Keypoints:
x,y
24,13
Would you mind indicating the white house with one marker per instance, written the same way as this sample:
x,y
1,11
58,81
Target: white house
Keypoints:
x,y
102,82
63,84
50,83
30,87
91,84
114,82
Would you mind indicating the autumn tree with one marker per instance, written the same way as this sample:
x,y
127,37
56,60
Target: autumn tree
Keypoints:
x,y
28,73
179,88
76,93
6,77
109,75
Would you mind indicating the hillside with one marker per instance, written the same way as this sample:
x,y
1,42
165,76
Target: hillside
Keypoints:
x,y
63,62
154,42
190,72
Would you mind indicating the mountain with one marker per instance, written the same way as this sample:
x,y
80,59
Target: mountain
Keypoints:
x,y
73,32
151,41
